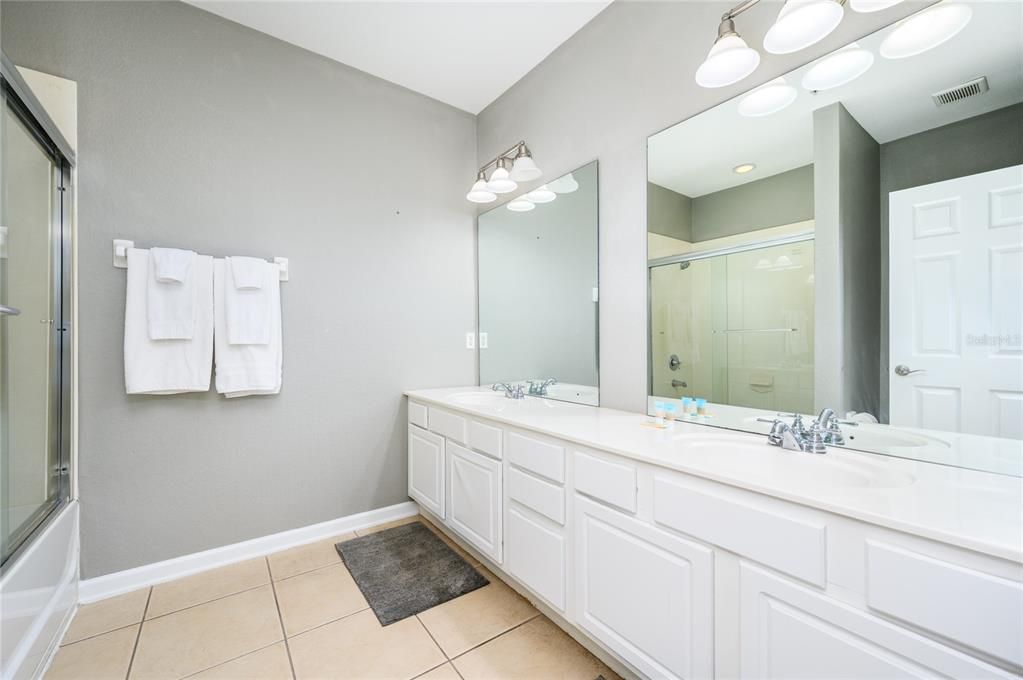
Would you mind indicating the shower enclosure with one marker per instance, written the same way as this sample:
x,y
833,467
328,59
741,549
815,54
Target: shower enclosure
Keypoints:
x,y
735,325
35,267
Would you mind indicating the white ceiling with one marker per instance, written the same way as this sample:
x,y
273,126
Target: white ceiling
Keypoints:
x,y
892,100
463,53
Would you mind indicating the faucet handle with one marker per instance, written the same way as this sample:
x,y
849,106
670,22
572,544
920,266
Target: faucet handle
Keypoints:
x,y
814,440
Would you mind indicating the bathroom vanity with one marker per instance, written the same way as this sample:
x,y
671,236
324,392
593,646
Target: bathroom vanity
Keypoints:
x,y
691,552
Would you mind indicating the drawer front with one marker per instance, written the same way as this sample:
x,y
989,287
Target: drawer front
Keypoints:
x,y
605,480
535,555
546,498
543,458
417,415
979,610
450,425
485,438
794,546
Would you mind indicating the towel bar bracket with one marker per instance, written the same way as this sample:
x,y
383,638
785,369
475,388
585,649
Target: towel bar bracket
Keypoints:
x,y
121,247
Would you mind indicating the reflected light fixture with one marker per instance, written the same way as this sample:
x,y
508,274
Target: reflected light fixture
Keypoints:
x,y
867,6
541,195
501,181
730,59
520,204
565,184
524,168
926,30
838,68
767,99
802,23
744,168
479,192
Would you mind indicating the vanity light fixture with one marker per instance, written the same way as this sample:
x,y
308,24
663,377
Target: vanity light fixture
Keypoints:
x,y
802,23
479,192
520,204
744,168
504,180
565,184
838,68
769,98
926,30
866,6
541,195
730,59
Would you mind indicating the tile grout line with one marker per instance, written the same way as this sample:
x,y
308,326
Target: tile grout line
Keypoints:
x,y
280,620
327,623
491,639
233,658
442,650
138,635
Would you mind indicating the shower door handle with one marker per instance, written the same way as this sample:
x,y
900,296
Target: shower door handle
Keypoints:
x,y
9,311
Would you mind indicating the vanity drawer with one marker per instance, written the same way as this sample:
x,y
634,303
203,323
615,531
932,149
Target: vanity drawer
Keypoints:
x,y
485,438
448,424
534,455
417,415
788,544
977,609
605,480
546,498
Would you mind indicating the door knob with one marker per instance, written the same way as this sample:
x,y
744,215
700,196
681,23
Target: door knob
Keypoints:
x,y
903,370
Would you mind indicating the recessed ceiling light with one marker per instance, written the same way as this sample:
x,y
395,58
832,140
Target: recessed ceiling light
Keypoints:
x,y
838,68
926,30
767,99
744,168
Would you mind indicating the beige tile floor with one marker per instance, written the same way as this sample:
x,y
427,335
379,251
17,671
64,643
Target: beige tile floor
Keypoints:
x,y
298,614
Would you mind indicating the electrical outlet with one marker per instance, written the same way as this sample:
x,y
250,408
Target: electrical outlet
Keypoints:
x,y
470,340
483,340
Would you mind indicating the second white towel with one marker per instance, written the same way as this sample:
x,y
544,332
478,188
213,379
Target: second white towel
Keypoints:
x,y
246,369
171,294
248,300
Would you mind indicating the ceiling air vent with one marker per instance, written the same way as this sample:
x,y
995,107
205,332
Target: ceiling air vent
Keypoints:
x,y
960,92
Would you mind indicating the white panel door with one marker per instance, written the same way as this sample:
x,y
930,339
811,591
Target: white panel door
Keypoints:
x,y
474,499
645,593
956,304
426,469
790,632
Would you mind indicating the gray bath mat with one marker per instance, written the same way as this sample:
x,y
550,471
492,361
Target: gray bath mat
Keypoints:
x,y
406,570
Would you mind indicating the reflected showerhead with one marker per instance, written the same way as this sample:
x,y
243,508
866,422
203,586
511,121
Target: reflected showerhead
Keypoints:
x,y
683,265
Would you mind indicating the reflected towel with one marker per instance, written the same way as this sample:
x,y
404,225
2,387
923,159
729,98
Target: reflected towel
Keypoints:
x,y
244,370
170,294
166,366
248,300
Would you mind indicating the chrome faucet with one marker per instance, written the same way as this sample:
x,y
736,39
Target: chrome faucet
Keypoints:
x,y
828,423
539,389
797,437
510,391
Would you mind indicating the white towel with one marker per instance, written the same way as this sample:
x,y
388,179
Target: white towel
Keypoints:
x,y
244,370
170,294
166,366
248,300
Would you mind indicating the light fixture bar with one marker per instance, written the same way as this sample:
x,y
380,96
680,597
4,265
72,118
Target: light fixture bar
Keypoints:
x,y
510,152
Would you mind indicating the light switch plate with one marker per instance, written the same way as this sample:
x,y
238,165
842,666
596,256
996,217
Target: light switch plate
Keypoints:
x,y
483,340
470,341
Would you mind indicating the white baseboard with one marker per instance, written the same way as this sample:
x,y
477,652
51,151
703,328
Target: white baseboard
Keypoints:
x,y
128,580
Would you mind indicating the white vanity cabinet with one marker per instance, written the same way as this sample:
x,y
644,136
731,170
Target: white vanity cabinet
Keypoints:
x,y
474,498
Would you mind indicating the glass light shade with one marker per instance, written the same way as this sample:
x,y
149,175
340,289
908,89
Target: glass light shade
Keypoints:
x,y
524,169
565,184
541,195
520,204
767,99
729,61
802,23
480,194
926,30
865,6
500,182
839,68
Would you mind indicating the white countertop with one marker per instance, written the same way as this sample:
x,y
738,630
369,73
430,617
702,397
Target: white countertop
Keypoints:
x,y
975,510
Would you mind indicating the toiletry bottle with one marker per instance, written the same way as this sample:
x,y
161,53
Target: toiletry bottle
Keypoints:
x,y
687,406
659,412
670,410
701,407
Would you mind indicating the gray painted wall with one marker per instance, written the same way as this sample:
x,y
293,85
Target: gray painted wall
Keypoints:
x,y
669,213
200,133
769,202
847,239
988,142
537,272
623,77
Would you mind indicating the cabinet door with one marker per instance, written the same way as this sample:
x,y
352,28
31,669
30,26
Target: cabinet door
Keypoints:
x,y
790,631
536,554
474,499
426,469
645,593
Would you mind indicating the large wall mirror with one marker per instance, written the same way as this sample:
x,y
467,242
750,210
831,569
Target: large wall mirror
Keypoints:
x,y
850,236
538,290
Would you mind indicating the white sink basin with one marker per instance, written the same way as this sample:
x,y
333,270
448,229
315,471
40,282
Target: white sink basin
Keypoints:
x,y
774,465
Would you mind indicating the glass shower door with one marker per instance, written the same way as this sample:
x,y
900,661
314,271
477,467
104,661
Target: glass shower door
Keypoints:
x,y
33,480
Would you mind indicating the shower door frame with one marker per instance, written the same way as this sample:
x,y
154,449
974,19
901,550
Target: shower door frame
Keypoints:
x,y
20,100
796,237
